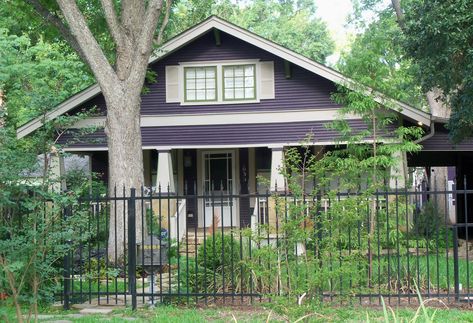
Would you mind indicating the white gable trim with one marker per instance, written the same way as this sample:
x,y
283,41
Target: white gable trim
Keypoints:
x,y
249,37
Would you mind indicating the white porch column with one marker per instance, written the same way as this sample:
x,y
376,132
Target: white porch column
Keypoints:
x,y
56,171
398,170
165,176
277,164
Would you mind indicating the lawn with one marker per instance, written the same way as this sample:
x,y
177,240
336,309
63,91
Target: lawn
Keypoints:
x,y
273,313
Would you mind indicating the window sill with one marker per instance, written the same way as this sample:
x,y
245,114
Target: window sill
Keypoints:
x,y
220,102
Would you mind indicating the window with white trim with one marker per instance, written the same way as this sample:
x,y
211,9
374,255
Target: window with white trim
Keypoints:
x,y
239,82
220,82
200,84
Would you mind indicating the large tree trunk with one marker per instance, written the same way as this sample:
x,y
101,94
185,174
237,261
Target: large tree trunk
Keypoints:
x,y
125,159
132,26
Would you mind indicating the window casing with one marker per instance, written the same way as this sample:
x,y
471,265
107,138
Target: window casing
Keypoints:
x,y
200,84
239,82
187,84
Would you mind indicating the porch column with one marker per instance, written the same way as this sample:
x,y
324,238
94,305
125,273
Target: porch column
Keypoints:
x,y
398,170
165,176
57,171
277,164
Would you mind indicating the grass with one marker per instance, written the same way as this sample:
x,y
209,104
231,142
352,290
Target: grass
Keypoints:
x,y
276,312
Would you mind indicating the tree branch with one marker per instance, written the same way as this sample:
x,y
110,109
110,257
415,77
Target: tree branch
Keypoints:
x,y
399,14
53,19
112,20
94,55
150,24
159,38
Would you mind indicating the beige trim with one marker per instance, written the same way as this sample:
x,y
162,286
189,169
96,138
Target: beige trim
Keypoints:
x,y
172,83
219,81
266,88
270,145
214,22
228,118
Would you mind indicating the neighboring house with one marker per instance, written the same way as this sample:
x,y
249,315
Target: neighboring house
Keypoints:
x,y
225,105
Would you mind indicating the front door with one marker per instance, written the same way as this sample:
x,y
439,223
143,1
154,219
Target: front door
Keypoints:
x,y
219,183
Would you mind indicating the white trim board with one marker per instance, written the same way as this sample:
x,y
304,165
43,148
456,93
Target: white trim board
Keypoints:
x,y
226,146
247,36
228,118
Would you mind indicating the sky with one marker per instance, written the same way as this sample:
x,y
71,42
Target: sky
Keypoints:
x,y
335,13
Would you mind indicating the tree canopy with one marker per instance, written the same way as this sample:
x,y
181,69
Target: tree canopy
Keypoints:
x,y
377,58
290,23
439,39
37,75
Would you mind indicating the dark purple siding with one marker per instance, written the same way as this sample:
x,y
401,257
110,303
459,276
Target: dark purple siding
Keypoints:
x,y
304,90
441,142
239,134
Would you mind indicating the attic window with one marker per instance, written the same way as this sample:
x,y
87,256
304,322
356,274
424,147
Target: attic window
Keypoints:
x,y
239,82
220,82
200,83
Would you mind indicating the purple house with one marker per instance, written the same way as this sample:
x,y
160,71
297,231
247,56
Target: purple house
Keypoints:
x,y
225,105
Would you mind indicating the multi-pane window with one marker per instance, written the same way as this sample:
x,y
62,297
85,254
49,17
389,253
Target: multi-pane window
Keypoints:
x,y
200,83
239,82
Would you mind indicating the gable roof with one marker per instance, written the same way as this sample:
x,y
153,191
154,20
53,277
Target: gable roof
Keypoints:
x,y
214,22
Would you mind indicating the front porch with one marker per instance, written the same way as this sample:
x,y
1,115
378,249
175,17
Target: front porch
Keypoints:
x,y
210,180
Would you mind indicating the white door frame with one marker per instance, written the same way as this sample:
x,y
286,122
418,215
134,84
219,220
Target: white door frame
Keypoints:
x,y
201,180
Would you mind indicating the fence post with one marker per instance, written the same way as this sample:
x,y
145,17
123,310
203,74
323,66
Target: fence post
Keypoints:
x,y
67,269
132,247
456,278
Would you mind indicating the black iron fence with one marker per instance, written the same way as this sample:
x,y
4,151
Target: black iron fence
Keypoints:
x,y
151,248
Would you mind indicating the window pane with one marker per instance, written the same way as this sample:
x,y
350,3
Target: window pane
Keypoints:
x,y
249,70
238,81
190,95
200,95
200,84
210,73
200,73
229,82
210,84
228,71
249,93
190,73
249,81
228,94
238,71
210,94
190,84
239,94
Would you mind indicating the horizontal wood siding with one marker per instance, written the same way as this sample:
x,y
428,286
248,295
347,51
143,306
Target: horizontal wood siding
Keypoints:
x,y
440,141
237,134
304,90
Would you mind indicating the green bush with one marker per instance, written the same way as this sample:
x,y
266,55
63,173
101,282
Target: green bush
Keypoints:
x,y
219,252
428,221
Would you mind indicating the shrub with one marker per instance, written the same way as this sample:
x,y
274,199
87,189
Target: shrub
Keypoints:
x,y
219,251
